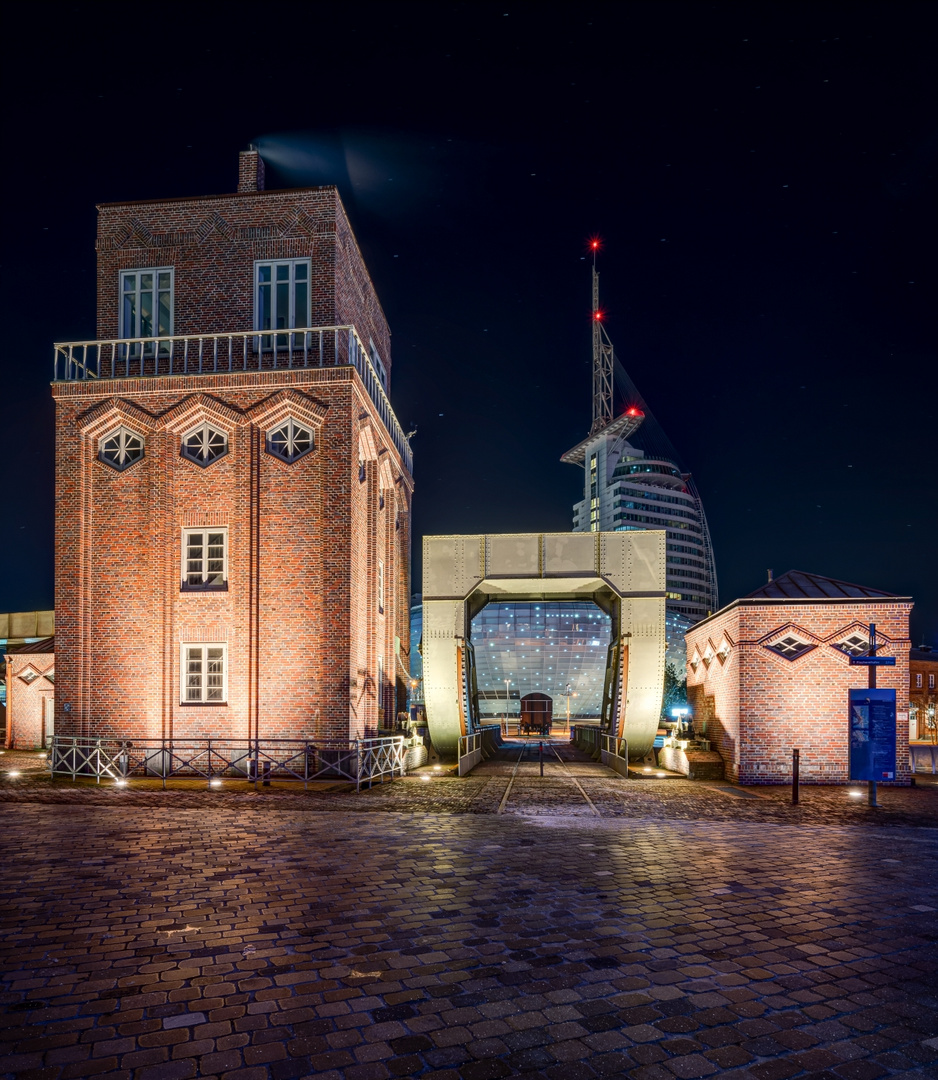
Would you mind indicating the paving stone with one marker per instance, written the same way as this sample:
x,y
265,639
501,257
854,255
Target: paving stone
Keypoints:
x,y
275,936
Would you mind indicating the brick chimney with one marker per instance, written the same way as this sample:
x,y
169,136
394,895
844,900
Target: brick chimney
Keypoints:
x,y
250,170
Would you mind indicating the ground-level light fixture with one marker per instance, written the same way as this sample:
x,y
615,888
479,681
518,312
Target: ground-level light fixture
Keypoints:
x,y
14,774
214,783
855,794
121,783
425,778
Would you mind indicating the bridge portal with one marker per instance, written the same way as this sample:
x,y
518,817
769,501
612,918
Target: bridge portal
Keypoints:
x,y
622,572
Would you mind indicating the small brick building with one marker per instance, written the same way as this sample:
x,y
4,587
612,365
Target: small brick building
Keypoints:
x,y
771,671
233,490
30,683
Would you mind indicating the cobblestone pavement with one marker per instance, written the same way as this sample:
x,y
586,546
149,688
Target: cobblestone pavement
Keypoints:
x,y
484,791
148,939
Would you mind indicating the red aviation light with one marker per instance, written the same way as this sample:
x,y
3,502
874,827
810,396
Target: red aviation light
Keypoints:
x,y
595,244
598,316
634,412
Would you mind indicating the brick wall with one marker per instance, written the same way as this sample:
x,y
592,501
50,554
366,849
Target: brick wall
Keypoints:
x,y
759,705
212,243
299,616
30,685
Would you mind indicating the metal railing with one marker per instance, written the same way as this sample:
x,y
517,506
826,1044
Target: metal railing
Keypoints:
x,y
586,737
614,753
480,744
609,749
243,350
358,761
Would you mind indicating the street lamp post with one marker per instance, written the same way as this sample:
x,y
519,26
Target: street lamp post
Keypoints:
x,y
507,684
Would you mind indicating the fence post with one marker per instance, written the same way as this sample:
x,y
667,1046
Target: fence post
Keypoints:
x,y
795,766
540,755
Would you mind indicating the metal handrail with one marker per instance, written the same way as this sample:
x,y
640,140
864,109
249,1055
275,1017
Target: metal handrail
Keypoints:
x,y
229,351
359,761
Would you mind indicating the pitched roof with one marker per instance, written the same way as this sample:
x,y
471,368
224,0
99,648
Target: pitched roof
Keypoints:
x,y
797,585
46,645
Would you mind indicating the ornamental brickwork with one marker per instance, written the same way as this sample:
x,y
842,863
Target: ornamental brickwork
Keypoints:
x,y
759,703
308,618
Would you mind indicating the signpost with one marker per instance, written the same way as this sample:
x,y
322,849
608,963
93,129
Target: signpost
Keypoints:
x,y
872,724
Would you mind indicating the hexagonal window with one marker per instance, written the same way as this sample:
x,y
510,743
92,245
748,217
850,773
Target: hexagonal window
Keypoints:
x,y
120,448
204,444
289,441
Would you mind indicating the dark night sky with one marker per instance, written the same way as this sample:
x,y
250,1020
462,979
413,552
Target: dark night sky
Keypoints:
x,y
763,177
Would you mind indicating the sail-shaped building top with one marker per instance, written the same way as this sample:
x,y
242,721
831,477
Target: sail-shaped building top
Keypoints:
x,y
633,479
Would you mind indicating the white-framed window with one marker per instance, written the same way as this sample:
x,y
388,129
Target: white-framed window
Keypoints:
x,y
289,441
381,586
205,559
204,444
790,647
281,299
918,681
204,673
120,448
931,682
146,306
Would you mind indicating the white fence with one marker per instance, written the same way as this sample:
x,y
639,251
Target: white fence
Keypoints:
x,y
477,746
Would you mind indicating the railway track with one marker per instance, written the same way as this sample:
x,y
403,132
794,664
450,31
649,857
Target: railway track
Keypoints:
x,y
560,766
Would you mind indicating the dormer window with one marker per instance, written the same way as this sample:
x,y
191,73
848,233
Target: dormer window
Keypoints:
x,y
204,444
120,448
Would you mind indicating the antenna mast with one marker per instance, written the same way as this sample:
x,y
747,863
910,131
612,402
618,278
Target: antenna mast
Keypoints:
x,y
602,359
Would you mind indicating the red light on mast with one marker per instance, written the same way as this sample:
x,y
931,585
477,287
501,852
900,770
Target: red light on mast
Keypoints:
x,y
597,316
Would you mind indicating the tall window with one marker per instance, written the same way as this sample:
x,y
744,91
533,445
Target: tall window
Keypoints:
x,y
281,300
146,306
381,586
204,674
204,559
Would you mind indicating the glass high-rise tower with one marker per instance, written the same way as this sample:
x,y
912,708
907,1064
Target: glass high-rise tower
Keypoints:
x,y
632,479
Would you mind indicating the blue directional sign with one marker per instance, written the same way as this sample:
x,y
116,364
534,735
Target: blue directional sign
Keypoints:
x,y
872,734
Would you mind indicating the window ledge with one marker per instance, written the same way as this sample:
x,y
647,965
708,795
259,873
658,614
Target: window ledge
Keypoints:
x,y
184,587
203,704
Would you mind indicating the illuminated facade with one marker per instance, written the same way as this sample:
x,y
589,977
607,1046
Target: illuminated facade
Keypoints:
x,y
772,671
232,486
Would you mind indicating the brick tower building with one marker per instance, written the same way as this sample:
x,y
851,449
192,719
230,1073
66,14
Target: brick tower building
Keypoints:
x,y
232,502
